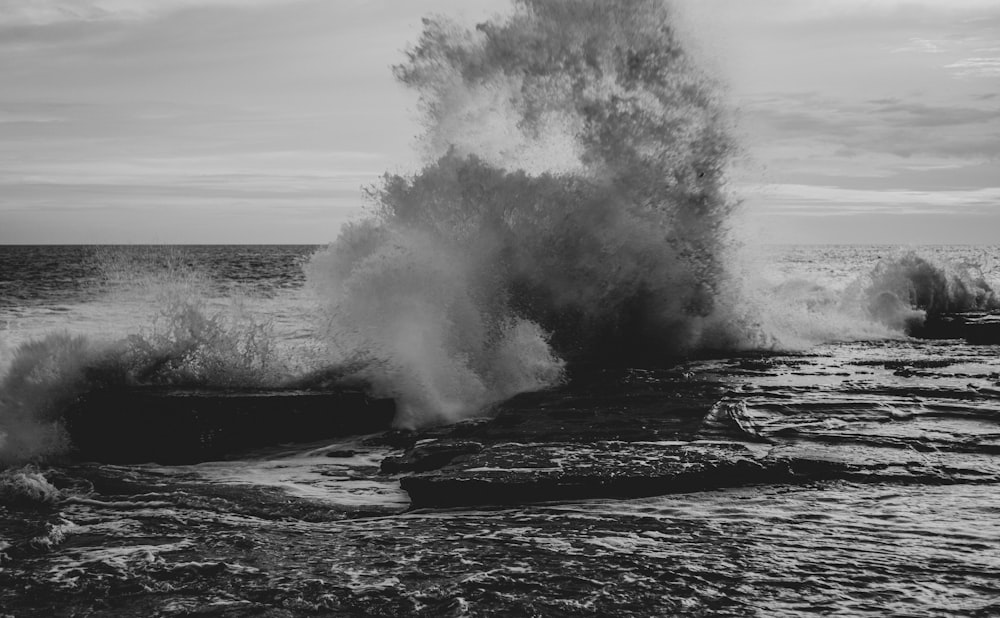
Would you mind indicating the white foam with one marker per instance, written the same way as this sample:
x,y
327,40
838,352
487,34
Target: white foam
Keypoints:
x,y
311,475
71,565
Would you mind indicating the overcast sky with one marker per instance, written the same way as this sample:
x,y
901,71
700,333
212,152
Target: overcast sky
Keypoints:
x,y
254,121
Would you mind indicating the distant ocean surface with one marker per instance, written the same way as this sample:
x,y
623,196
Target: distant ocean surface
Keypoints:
x,y
852,473
100,290
109,291
65,278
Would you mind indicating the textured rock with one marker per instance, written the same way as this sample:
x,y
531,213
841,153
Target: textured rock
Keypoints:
x,y
613,438
168,425
976,327
431,456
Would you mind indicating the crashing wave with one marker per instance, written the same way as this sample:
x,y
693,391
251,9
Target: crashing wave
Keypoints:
x,y
573,207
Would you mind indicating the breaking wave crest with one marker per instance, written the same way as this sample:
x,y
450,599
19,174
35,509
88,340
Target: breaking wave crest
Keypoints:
x,y
905,291
191,341
895,297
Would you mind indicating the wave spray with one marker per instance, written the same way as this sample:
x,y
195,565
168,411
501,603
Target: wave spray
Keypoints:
x,y
572,208
192,341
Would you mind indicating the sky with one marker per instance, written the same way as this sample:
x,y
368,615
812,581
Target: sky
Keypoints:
x,y
259,121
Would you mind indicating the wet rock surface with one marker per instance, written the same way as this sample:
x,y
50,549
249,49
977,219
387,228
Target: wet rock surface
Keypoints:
x,y
675,432
173,425
859,480
980,328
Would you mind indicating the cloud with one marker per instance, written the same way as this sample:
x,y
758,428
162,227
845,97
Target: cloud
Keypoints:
x,y
894,126
976,67
926,46
46,12
823,200
916,20
916,114
969,47
14,117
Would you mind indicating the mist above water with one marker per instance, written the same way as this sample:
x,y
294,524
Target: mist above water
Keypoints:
x,y
572,208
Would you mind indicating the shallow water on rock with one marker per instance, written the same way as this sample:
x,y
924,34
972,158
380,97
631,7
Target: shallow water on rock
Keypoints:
x,y
855,480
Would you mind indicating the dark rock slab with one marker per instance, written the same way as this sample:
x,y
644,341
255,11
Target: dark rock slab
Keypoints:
x,y
983,330
520,473
683,432
975,327
172,425
614,404
608,433
431,455
516,473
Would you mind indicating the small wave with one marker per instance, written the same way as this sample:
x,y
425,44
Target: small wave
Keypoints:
x,y
27,485
905,290
894,298
55,533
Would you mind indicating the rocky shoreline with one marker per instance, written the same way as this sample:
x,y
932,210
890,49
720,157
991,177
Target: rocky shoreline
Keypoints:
x,y
613,437
620,433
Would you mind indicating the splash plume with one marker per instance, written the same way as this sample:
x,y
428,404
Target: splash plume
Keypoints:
x,y
572,207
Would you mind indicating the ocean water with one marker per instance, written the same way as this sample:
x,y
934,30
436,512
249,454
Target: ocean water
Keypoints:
x,y
905,524
110,292
543,376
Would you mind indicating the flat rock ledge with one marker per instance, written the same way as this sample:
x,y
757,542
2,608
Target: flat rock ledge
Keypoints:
x,y
706,439
170,425
513,473
982,328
